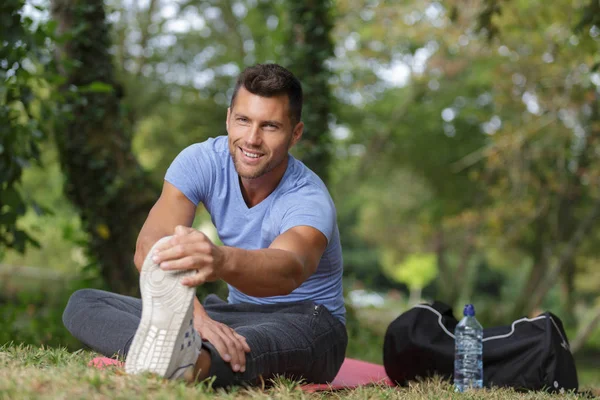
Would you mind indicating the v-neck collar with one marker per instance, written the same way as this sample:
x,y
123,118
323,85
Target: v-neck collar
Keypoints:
x,y
239,198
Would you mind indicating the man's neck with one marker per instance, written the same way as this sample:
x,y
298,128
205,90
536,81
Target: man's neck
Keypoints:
x,y
256,190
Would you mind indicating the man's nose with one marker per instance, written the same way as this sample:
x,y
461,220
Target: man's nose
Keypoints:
x,y
254,137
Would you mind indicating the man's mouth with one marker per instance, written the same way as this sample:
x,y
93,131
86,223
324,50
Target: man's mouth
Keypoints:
x,y
250,154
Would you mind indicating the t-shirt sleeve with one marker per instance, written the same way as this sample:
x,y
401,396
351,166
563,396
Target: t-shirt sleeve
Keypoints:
x,y
192,171
313,208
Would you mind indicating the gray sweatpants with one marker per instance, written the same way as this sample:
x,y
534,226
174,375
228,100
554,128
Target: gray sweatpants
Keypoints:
x,y
297,340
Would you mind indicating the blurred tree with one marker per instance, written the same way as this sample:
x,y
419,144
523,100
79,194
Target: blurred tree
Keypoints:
x,y
309,50
414,120
25,101
416,271
502,133
541,165
112,193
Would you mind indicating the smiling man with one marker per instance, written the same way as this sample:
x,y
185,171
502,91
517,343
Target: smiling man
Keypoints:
x,y
281,257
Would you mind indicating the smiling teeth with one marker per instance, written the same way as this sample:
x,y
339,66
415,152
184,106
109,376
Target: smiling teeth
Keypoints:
x,y
250,154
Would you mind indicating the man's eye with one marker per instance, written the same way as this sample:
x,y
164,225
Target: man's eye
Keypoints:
x,y
241,119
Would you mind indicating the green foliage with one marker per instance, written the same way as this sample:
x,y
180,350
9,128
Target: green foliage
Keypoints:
x,y
105,183
34,315
310,48
25,112
364,342
483,151
32,320
543,207
61,238
416,271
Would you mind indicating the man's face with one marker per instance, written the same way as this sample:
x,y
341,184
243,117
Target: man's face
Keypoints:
x,y
260,133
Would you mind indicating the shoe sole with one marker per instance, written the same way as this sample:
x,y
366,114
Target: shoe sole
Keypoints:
x,y
165,305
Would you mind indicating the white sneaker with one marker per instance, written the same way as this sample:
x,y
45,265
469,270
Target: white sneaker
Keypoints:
x,y
165,342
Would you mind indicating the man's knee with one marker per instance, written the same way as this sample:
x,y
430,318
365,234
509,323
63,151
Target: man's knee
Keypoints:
x,y
79,301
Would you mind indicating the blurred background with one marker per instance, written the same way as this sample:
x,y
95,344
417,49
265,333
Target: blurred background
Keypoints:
x,y
460,141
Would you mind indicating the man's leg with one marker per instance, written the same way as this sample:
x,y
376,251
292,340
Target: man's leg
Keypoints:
x,y
300,340
103,321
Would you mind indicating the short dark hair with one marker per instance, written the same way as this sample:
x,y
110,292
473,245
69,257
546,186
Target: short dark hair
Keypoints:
x,y
268,80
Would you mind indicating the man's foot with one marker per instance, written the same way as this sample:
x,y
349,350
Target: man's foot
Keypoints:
x,y
165,342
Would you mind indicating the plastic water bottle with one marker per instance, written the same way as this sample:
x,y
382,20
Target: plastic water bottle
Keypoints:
x,y
468,364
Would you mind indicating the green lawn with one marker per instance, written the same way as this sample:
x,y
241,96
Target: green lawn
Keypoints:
x,y
30,372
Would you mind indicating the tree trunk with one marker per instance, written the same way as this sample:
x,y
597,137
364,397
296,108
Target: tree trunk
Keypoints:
x,y
414,296
311,46
538,268
465,288
103,180
568,287
445,283
583,230
586,331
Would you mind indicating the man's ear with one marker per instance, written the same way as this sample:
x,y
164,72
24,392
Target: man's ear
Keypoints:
x,y
297,133
227,120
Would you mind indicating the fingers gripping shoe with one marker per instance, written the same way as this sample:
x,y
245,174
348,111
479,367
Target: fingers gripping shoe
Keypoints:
x,y
165,342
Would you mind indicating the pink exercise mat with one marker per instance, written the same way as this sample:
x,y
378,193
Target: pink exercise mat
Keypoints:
x,y
353,373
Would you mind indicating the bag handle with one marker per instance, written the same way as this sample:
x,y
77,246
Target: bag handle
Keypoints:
x,y
442,308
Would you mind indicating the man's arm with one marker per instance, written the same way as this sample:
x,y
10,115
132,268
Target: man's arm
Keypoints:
x,y
172,208
278,270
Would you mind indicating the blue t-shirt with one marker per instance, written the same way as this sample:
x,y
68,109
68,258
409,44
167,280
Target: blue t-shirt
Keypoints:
x,y
205,173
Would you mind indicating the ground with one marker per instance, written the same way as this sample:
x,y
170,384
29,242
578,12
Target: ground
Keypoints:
x,y
32,372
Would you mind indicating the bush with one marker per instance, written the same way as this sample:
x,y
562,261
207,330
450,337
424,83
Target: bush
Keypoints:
x,y
35,316
364,343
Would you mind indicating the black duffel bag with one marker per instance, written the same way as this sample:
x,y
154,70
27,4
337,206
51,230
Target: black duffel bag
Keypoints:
x,y
529,354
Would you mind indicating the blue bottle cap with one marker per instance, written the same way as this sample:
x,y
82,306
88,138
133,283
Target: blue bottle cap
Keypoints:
x,y
469,310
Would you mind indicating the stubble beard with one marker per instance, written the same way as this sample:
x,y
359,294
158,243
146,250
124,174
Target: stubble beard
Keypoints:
x,y
262,170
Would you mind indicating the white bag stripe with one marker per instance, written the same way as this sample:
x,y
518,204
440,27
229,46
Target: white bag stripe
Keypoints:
x,y
564,343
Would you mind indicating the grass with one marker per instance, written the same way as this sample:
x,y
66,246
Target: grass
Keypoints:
x,y
50,373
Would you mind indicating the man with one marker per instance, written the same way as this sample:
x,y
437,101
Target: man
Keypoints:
x,y
281,257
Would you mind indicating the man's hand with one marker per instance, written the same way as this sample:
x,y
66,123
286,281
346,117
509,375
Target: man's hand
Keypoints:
x,y
231,346
190,249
